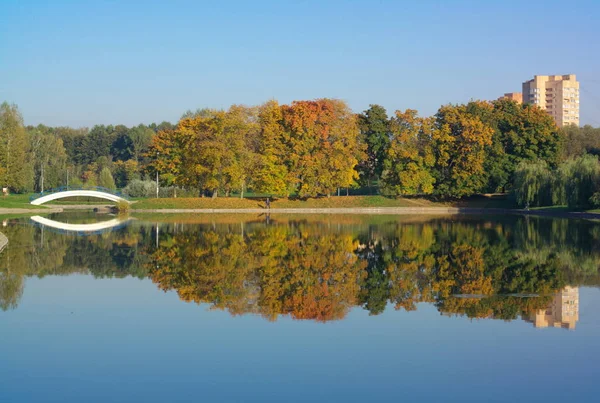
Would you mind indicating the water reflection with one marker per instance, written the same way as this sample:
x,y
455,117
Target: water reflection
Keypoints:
x,y
563,311
86,228
319,269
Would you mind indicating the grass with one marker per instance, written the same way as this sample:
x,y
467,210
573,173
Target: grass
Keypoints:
x,y
489,201
18,201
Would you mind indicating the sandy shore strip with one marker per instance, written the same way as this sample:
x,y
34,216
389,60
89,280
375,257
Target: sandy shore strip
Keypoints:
x,y
377,211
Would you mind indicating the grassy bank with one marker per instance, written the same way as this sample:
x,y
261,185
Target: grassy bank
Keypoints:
x,y
324,202
18,201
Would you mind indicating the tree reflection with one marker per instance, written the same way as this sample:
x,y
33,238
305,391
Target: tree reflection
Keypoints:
x,y
307,272
318,270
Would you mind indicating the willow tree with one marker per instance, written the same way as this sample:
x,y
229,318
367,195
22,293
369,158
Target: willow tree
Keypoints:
x,y
532,182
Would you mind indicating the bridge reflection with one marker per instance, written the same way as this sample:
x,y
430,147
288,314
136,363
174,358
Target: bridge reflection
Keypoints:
x,y
82,229
3,241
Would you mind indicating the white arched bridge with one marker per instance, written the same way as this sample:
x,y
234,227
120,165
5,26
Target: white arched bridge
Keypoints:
x,y
64,192
92,228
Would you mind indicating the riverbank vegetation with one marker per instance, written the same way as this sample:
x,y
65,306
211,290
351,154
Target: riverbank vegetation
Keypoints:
x,y
313,149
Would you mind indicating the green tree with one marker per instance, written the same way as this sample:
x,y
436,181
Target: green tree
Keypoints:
x,y
532,183
582,181
520,132
141,138
375,131
49,158
16,173
106,179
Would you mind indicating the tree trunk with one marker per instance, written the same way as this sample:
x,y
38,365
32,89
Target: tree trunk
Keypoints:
x,y
175,192
215,194
347,192
338,192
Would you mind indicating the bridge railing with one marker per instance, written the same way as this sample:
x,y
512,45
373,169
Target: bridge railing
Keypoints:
x,y
66,188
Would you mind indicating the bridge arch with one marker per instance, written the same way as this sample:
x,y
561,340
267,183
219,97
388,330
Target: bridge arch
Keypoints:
x,y
3,241
78,193
97,227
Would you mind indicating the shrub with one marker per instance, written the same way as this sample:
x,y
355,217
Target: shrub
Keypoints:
x,y
139,188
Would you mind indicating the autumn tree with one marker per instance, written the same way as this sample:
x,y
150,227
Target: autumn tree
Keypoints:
x,y
323,145
409,158
271,174
220,153
167,156
459,144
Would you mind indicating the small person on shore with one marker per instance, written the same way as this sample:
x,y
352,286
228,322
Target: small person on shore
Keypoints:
x,y
268,203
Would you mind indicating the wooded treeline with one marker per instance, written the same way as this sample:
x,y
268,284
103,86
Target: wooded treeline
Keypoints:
x,y
308,148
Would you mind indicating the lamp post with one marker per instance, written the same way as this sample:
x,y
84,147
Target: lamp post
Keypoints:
x,y
157,154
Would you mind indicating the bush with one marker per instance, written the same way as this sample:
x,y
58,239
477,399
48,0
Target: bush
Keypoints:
x,y
139,188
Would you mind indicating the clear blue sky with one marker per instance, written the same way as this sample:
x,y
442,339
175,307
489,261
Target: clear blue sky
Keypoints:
x,y
79,63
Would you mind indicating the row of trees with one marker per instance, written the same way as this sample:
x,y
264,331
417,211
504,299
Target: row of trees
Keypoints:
x,y
307,148
42,157
575,183
315,147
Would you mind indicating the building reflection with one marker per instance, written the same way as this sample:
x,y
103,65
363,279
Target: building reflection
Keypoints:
x,y
562,312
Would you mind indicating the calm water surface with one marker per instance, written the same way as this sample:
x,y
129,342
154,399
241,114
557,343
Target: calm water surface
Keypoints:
x,y
302,308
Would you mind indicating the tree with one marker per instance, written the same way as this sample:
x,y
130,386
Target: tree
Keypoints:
x,y
271,175
141,138
106,179
49,158
582,181
16,169
167,154
532,181
322,137
459,142
409,157
98,142
219,155
125,172
375,131
520,132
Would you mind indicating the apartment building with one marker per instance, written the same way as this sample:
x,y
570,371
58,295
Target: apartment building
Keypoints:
x,y
513,96
557,95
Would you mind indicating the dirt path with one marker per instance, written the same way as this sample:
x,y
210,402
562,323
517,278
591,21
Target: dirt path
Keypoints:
x,y
30,211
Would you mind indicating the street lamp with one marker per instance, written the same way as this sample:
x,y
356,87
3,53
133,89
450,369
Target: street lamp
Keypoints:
x,y
157,154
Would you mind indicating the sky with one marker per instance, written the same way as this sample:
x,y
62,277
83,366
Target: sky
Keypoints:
x,y
79,63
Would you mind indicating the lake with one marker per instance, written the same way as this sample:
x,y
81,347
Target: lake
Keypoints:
x,y
229,308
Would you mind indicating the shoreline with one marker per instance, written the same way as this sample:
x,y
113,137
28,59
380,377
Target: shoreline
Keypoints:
x,y
325,210
378,211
